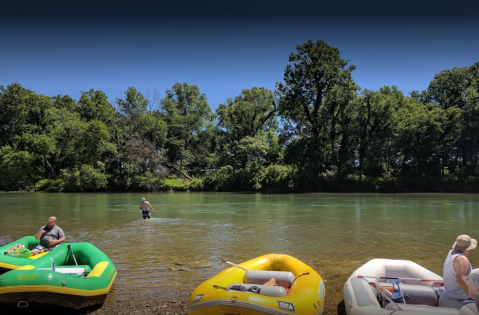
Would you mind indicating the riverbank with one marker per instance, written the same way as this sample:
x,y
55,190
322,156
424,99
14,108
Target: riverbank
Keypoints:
x,y
155,299
332,269
124,300
148,301
324,184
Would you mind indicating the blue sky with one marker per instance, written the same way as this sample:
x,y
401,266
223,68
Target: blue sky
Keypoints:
x,y
55,48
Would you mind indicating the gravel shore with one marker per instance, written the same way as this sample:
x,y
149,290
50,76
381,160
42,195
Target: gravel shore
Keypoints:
x,y
154,299
333,306
125,306
334,271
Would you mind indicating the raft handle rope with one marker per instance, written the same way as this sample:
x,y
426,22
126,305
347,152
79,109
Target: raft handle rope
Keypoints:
x,y
401,278
384,295
303,274
233,264
241,288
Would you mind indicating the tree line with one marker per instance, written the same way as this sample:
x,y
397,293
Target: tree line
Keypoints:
x,y
317,131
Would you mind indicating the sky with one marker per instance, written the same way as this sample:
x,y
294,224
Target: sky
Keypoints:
x,y
64,48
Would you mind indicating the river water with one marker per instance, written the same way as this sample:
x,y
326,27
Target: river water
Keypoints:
x,y
190,233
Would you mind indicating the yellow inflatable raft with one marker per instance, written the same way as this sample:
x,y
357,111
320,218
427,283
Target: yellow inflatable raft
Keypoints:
x,y
241,289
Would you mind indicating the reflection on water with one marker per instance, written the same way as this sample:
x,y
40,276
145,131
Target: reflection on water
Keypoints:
x,y
189,234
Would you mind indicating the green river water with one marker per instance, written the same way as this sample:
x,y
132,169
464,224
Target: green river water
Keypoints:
x,y
189,234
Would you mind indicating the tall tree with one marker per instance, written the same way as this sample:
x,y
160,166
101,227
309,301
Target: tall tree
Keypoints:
x,y
140,137
469,139
317,90
415,139
133,104
448,88
375,119
188,115
94,105
13,112
65,102
448,93
247,114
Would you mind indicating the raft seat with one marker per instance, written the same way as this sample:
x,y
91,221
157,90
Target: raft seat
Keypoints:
x,y
267,290
79,269
283,278
424,309
419,294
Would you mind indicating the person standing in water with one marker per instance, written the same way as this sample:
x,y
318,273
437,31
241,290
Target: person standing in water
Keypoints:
x,y
145,208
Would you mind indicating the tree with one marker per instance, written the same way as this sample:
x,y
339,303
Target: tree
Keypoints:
x,y
375,119
250,112
65,102
448,93
417,134
66,130
27,122
134,104
188,115
448,88
315,95
18,169
94,105
469,139
142,157
136,122
14,112
136,125
94,143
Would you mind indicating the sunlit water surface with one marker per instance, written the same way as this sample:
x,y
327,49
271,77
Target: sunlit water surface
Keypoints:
x,y
189,234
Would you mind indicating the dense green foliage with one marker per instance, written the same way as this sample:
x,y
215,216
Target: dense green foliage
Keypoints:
x,y
318,131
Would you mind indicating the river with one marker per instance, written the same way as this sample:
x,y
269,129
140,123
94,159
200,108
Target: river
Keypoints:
x,y
190,233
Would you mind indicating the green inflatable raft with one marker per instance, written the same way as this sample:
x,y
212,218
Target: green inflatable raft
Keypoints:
x,y
82,276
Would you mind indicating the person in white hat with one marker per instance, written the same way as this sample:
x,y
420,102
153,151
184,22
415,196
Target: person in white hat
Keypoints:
x,y
457,268
145,208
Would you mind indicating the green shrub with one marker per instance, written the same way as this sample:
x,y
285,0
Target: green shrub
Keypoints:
x,y
229,179
196,184
87,178
220,180
50,185
144,182
174,184
276,178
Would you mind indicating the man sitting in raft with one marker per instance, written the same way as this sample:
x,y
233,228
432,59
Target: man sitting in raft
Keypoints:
x,y
50,235
457,269
145,208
